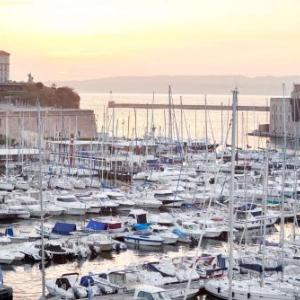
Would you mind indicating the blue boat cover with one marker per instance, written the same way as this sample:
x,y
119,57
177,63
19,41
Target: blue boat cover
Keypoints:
x,y
86,281
63,228
9,231
179,233
139,227
259,268
95,225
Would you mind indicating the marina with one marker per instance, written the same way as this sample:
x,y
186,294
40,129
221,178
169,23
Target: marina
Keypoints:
x,y
172,212
149,150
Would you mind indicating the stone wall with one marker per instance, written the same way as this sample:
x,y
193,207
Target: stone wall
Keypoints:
x,y
55,123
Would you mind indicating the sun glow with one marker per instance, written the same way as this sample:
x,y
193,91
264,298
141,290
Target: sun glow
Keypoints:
x,y
77,39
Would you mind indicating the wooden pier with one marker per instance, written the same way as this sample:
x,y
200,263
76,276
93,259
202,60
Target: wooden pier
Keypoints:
x,y
113,104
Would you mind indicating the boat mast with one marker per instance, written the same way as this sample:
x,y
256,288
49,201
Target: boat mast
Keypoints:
x,y
296,145
113,165
152,117
222,129
195,126
22,144
6,145
283,174
206,135
102,146
265,199
170,116
128,126
181,120
41,200
230,239
165,125
135,130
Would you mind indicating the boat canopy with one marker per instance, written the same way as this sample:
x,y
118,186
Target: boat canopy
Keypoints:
x,y
9,231
86,281
247,206
141,226
259,268
96,225
63,228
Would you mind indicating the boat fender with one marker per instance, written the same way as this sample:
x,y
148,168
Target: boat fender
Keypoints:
x,y
232,294
219,290
249,295
118,247
76,293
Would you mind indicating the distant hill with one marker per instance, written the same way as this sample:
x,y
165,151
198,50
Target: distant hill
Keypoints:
x,y
266,85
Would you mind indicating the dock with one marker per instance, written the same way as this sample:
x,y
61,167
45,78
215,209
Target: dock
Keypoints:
x,y
113,104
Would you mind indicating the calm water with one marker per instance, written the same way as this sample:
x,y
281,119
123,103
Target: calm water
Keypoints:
x,y
193,122
26,279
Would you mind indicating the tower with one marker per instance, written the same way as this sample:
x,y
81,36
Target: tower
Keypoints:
x,y
4,66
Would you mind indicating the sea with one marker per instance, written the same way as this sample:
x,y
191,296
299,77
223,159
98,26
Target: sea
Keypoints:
x,y
26,279
134,124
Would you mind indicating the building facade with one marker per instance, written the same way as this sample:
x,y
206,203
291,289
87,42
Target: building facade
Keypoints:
x,y
285,109
4,66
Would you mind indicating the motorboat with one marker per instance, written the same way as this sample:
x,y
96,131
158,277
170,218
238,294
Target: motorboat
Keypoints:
x,y
109,225
121,200
143,239
251,216
99,242
246,289
191,229
147,201
93,205
164,219
107,206
71,286
20,211
165,233
71,205
78,183
6,186
22,185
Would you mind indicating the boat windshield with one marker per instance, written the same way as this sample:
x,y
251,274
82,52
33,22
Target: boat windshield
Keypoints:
x,y
241,215
153,296
66,199
161,296
256,213
190,226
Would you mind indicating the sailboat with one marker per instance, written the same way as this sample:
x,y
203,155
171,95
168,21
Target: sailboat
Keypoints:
x,y
241,289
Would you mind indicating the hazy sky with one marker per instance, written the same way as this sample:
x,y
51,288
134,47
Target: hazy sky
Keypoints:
x,y
83,39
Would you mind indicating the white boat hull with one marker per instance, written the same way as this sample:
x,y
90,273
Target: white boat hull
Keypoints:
x,y
252,224
245,292
142,241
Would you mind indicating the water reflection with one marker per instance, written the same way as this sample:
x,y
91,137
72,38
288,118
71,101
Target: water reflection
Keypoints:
x,y
26,279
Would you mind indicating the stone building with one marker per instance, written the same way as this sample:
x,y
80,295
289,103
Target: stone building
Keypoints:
x,y
21,123
291,106
4,66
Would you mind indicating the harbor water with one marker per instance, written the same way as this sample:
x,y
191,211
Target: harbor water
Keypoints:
x,y
193,121
26,278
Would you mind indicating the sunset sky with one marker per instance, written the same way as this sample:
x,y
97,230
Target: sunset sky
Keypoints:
x,y
84,39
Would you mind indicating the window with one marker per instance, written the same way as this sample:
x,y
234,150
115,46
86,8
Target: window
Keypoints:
x,y
145,295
